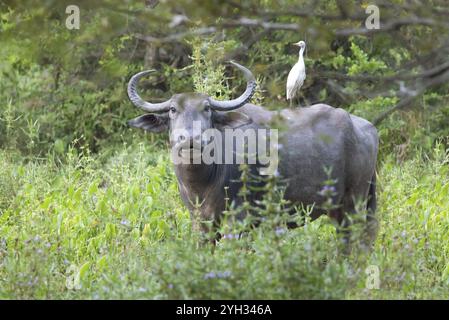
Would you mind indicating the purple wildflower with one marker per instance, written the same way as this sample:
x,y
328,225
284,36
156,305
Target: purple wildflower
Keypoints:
x,y
210,275
225,274
218,275
230,236
327,191
280,231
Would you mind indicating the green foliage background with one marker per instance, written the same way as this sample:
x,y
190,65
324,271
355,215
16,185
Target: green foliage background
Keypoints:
x,y
90,209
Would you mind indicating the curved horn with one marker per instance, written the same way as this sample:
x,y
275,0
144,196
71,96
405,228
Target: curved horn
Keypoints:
x,y
240,101
138,101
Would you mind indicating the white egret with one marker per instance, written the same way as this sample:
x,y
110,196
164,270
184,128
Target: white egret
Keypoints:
x,y
297,75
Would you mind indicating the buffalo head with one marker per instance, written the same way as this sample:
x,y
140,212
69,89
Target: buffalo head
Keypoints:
x,y
181,111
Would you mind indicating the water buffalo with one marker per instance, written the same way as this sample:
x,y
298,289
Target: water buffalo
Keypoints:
x,y
313,138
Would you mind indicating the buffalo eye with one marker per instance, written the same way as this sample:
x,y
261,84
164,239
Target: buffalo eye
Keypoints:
x,y
172,110
206,106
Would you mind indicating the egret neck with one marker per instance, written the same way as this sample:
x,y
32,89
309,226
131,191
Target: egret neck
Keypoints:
x,y
301,58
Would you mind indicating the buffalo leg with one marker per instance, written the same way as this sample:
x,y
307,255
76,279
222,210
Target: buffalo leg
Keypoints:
x,y
372,225
343,228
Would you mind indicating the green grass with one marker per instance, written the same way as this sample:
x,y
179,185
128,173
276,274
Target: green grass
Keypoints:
x,y
113,226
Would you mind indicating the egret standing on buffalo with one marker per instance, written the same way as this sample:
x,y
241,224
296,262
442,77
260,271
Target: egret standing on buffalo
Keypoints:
x,y
297,75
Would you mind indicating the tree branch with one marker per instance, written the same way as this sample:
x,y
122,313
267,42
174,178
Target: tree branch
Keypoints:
x,y
399,76
390,25
406,101
247,22
177,36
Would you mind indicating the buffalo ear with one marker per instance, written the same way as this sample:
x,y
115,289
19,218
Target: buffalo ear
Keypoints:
x,y
150,122
231,120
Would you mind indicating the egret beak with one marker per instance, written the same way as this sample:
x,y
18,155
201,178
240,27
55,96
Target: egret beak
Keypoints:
x,y
296,44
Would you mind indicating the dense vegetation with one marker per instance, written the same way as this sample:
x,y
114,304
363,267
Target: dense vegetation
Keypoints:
x,y
90,209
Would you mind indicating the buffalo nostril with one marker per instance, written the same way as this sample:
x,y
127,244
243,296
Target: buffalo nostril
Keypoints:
x,y
181,138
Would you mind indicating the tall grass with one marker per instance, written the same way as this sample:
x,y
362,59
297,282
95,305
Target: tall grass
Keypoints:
x,y
113,226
